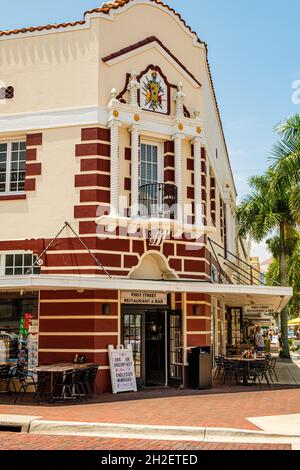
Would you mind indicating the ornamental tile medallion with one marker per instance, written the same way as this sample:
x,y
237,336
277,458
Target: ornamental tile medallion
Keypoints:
x,y
154,92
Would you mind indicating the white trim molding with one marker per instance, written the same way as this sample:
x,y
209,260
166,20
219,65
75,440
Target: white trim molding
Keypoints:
x,y
230,294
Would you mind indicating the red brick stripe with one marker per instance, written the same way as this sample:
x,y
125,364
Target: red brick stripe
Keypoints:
x,y
85,150
34,169
31,154
33,140
92,180
14,197
95,195
30,185
95,164
95,133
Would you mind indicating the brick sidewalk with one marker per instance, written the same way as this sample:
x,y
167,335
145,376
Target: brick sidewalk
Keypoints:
x,y
11,441
226,407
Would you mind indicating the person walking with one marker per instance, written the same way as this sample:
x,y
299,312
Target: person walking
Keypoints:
x,y
259,340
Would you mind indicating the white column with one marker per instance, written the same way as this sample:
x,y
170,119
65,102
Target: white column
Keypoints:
x,y
178,138
114,170
198,182
135,156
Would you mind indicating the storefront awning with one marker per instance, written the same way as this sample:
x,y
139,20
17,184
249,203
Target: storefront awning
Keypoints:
x,y
232,295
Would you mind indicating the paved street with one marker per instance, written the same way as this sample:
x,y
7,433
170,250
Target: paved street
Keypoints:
x,y
227,407
9,441
244,408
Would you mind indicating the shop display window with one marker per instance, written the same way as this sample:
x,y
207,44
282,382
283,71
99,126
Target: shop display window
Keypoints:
x,y
19,328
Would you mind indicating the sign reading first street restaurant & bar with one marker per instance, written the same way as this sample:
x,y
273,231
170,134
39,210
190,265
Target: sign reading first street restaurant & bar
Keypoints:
x,y
147,298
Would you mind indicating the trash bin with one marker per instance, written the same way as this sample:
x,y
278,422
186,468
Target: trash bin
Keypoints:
x,y
200,368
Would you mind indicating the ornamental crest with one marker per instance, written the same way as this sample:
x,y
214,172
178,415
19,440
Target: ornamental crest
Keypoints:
x,y
154,92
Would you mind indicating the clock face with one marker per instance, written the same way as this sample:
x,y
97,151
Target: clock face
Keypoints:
x,y
154,92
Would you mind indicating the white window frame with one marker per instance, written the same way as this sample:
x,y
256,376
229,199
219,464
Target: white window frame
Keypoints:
x,y
3,260
10,143
160,162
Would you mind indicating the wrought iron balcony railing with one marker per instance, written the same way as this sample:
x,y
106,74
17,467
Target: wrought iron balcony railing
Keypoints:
x,y
158,200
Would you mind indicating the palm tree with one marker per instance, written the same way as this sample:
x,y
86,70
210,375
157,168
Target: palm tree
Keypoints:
x,y
286,159
293,271
266,211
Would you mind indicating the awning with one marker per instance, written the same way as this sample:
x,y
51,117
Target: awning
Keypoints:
x,y
296,321
231,294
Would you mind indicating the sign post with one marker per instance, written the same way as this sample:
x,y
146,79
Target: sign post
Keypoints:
x,y
122,369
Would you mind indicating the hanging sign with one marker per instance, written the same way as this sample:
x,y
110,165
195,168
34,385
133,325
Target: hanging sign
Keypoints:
x,y
148,298
259,309
122,369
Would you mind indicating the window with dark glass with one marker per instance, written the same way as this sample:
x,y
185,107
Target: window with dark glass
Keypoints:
x,y
19,264
12,167
149,164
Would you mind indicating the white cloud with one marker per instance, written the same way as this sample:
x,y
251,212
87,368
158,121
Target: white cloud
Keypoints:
x,y
260,250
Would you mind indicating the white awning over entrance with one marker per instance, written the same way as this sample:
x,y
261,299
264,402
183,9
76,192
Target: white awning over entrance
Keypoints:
x,y
275,298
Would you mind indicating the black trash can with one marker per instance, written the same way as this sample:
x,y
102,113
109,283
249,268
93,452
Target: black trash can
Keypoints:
x,y
200,368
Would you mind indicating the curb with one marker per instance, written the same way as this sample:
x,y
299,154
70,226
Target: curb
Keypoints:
x,y
170,433
17,421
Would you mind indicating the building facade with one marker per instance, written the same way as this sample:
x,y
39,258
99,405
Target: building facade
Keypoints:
x,y
117,199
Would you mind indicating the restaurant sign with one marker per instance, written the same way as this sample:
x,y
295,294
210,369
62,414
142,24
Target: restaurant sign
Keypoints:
x,y
122,369
147,298
259,309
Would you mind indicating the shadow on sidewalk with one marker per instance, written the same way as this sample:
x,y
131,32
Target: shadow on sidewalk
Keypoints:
x,y
149,394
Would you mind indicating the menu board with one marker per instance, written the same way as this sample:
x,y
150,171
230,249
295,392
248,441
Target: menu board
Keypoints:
x,y
122,369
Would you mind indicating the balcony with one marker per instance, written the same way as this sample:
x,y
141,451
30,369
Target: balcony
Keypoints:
x,y
158,201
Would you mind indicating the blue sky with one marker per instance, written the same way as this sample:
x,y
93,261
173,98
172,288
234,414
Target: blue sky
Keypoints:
x,y
254,56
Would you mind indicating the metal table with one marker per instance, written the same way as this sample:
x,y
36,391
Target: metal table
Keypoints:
x,y
60,368
246,363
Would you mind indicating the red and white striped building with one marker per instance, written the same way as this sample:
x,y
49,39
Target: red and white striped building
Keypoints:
x,y
111,124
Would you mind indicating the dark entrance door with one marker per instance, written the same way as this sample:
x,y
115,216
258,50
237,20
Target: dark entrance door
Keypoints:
x,y
155,347
156,339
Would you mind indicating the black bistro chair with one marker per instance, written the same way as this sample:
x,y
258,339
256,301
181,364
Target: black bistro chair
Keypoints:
x,y
5,377
272,369
219,360
26,379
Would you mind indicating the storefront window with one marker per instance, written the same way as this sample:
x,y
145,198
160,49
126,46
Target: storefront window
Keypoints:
x,y
235,326
132,335
19,328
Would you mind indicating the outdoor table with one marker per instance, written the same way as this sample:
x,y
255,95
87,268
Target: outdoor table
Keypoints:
x,y
246,363
60,368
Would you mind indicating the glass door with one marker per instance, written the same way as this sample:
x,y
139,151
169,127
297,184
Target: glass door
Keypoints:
x,y
175,342
132,334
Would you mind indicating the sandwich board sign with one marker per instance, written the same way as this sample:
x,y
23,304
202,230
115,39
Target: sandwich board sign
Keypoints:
x,y
122,369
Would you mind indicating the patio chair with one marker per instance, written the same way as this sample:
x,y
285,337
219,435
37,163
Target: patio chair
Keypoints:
x,y
92,380
43,386
258,371
228,371
237,371
26,379
4,377
63,386
219,360
272,369
15,373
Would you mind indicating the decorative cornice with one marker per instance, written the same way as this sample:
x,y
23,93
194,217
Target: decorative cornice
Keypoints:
x,y
145,42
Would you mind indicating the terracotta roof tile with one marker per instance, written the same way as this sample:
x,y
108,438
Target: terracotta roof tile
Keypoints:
x,y
106,7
